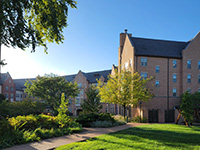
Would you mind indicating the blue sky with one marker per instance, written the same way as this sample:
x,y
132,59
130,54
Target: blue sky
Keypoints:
x,y
92,36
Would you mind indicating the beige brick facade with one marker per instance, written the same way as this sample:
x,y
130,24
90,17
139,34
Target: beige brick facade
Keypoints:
x,y
170,76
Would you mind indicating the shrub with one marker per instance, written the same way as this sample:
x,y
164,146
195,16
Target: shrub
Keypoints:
x,y
25,107
101,124
87,119
137,119
22,129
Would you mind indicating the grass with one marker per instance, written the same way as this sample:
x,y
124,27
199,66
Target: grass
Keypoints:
x,y
145,137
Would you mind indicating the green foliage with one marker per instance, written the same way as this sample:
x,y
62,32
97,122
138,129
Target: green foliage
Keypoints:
x,y
137,119
25,107
101,124
2,98
22,129
92,103
125,89
190,105
49,88
87,119
37,22
106,124
62,110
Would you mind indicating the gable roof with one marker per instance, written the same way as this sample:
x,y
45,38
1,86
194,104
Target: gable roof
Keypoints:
x,y
93,76
157,48
4,77
19,83
70,78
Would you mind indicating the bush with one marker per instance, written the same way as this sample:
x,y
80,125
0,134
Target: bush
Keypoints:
x,y
22,129
25,107
101,124
137,119
88,119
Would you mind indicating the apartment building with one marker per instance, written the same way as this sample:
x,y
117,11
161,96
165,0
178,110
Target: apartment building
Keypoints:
x,y
7,86
84,80
174,65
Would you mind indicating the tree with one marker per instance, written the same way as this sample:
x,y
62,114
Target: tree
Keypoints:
x,y
125,89
62,110
92,103
49,89
190,106
2,98
33,22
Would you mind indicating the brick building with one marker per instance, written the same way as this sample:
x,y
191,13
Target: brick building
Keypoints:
x,y
174,65
84,80
7,86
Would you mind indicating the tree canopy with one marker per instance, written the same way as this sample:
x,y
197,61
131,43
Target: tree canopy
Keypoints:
x,y
92,103
49,89
125,89
33,22
190,106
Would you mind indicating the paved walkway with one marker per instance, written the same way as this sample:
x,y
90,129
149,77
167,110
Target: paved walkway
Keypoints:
x,y
58,141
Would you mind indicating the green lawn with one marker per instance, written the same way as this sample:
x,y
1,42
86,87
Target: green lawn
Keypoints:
x,y
145,137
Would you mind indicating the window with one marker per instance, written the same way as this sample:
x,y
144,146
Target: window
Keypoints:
x,y
189,90
174,92
143,61
9,81
70,109
198,89
12,89
157,69
78,101
189,78
157,83
174,77
79,85
130,62
70,102
174,63
17,96
143,75
199,78
199,64
6,95
11,95
126,65
189,64
6,88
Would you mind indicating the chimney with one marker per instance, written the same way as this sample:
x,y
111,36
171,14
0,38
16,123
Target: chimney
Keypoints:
x,y
125,31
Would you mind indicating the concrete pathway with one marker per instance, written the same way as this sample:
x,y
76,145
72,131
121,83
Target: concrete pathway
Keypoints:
x,y
63,140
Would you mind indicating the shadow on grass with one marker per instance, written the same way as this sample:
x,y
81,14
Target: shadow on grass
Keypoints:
x,y
163,137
